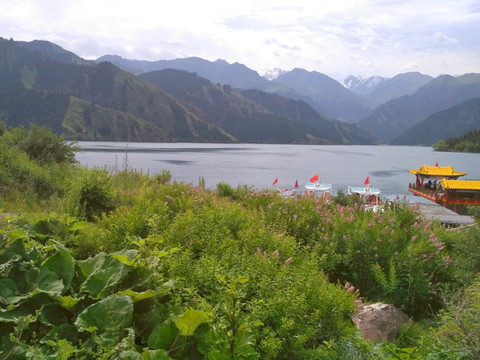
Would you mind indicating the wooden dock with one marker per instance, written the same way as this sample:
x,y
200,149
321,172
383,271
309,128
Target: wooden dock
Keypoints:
x,y
444,215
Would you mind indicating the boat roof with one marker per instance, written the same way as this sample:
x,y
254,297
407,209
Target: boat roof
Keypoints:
x,y
364,190
436,171
318,186
460,184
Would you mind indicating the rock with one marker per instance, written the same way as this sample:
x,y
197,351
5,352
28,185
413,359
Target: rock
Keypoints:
x,y
379,322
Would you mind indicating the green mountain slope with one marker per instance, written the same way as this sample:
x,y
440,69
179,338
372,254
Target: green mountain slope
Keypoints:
x,y
55,52
109,87
393,118
272,118
452,122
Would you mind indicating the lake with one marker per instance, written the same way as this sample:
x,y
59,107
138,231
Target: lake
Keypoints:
x,y
258,165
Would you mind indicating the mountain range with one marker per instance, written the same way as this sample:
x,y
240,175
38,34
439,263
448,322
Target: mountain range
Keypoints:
x,y
193,99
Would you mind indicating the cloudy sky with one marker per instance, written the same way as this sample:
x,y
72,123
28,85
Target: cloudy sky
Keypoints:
x,y
336,37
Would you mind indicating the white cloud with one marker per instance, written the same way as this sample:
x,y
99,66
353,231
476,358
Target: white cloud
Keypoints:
x,y
338,38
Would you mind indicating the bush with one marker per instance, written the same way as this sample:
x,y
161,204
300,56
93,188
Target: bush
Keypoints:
x,y
458,336
91,193
43,146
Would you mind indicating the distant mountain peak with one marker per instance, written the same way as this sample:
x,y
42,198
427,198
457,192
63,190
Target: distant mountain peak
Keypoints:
x,y
354,82
272,74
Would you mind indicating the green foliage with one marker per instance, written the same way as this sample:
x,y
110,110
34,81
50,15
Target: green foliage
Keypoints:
x,y
91,193
54,306
469,142
163,177
43,146
458,336
391,256
175,271
23,174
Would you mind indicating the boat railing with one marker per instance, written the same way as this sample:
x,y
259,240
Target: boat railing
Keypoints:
x,y
434,193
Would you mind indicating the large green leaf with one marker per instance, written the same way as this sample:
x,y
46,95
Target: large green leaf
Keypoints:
x,y
189,321
52,315
138,296
67,302
127,256
90,265
62,264
163,335
108,315
16,248
155,355
49,282
9,292
104,273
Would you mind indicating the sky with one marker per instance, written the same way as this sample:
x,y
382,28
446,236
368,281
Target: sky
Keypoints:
x,y
337,37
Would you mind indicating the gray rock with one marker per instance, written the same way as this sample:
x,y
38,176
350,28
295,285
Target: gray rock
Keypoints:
x,y
379,322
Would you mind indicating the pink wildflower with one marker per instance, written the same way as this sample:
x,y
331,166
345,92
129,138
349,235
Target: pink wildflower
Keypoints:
x,y
259,251
376,256
276,254
288,261
351,288
360,307
414,238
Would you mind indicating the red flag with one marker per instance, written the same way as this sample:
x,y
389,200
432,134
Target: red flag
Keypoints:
x,y
276,180
296,183
313,179
436,164
367,180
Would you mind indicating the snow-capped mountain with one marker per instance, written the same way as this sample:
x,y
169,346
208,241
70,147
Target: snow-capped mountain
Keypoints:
x,y
362,86
273,73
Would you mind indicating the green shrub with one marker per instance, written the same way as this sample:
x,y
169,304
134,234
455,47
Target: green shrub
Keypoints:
x,y
91,193
163,177
458,336
42,145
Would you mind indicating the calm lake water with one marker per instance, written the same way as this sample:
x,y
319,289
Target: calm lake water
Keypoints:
x,y
258,165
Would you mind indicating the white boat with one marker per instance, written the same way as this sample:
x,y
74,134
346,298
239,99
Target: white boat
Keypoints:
x,y
286,193
369,195
318,188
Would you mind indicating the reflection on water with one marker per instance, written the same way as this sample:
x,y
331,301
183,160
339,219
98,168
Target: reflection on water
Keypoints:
x,y
178,162
388,173
258,165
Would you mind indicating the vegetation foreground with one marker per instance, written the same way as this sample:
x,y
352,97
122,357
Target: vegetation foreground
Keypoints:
x,y
124,265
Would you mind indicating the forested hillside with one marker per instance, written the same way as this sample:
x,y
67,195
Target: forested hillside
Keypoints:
x,y
469,142
85,101
273,117
395,117
449,123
